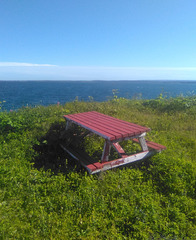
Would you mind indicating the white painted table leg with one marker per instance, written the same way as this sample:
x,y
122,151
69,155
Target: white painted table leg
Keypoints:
x,y
106,151
143,143
68,125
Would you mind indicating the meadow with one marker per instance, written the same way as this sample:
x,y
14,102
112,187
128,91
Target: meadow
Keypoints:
x,y
44,194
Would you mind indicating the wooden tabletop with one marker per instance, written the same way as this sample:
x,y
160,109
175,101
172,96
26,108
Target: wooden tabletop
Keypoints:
x,y
106,126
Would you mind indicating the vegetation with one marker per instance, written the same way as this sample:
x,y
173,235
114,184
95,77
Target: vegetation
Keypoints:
x,y
45,195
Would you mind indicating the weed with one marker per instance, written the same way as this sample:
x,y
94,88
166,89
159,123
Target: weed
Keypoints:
x,y
44,196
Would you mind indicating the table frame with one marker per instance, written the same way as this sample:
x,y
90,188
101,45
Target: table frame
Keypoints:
x,y
136,133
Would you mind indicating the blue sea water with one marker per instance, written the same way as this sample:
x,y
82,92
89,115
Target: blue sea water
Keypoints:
x,y
17,94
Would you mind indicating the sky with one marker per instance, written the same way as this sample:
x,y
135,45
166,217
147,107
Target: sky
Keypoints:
x,y
97,40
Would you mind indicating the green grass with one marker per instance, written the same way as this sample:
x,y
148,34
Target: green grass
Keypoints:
x,y
44,194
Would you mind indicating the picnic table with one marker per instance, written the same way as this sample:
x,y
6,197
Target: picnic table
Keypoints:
x,y
113,130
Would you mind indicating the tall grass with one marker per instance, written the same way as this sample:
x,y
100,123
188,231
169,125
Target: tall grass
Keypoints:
x,y
45,195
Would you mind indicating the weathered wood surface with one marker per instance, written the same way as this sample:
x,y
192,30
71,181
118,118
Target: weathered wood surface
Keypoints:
x,y
153,145
112,130
94,166
119,149
105,126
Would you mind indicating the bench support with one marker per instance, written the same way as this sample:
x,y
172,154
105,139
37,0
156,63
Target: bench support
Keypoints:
x,y
119,149
106,151
143,144
68,125
113,131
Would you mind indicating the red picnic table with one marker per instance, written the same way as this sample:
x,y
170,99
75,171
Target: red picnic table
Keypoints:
x,y
113,130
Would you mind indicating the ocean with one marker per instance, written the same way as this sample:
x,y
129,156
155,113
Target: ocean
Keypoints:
x,y
17,94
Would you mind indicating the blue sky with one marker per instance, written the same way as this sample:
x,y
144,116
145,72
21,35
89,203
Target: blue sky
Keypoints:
x,y
97,40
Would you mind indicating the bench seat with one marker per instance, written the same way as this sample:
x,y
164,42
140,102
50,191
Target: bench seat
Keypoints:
x,y
155,146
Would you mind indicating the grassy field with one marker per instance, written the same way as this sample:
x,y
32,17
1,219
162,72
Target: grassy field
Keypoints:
x,y
46,195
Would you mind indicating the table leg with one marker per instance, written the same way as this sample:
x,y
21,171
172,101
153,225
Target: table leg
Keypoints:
x,y
106,151
68,124
143,143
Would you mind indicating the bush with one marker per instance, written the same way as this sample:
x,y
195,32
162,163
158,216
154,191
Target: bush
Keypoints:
x,y
43,195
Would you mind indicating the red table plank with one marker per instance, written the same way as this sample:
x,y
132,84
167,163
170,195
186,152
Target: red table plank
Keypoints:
x,y
102,125
117,124
108,127
92,127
